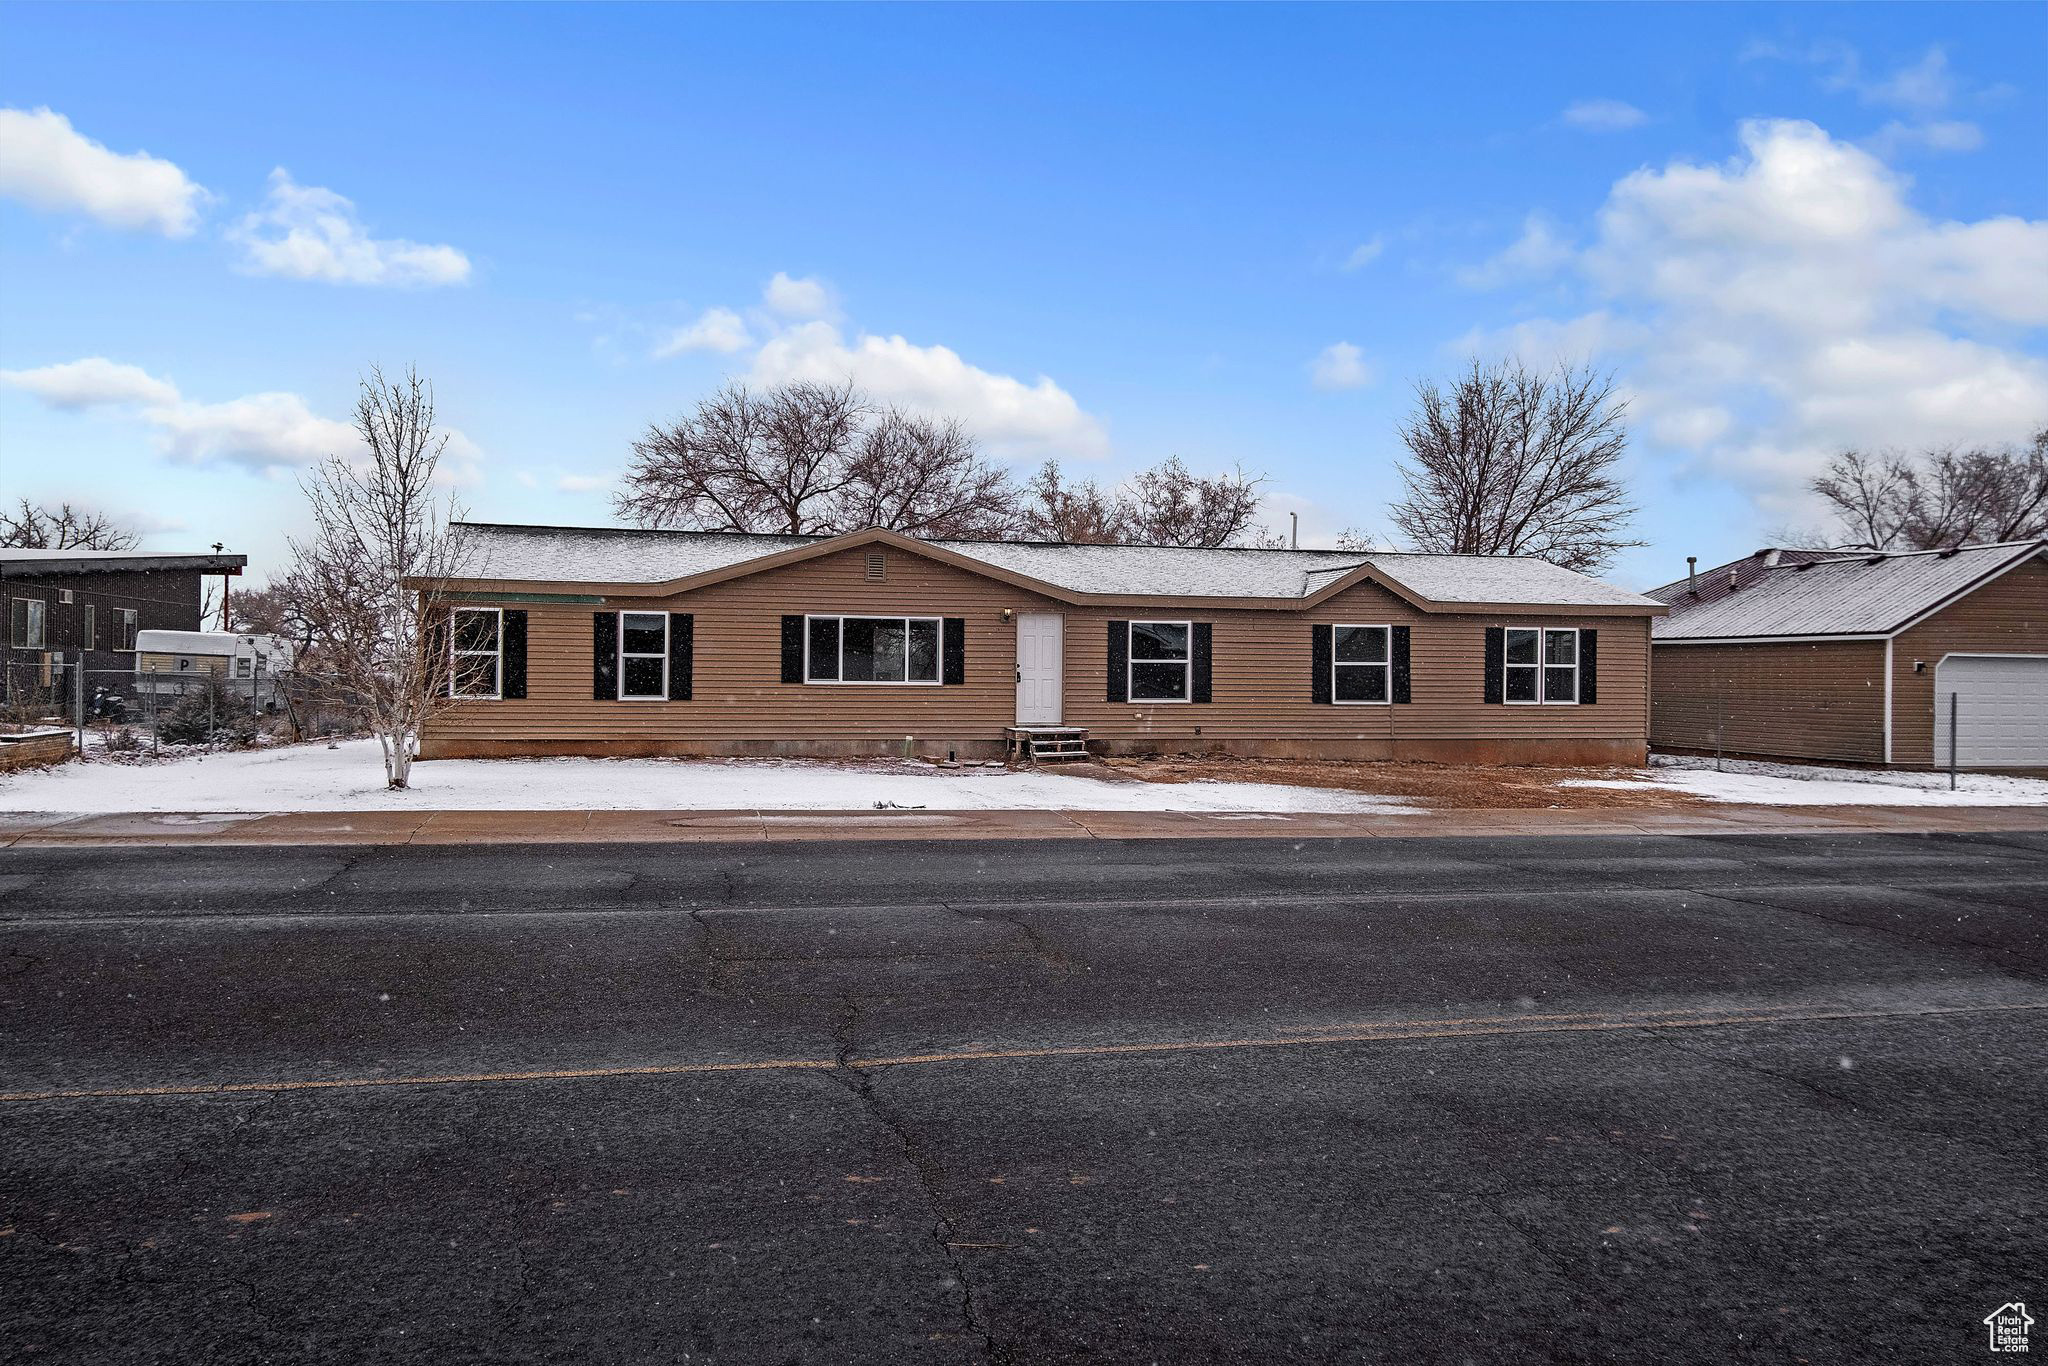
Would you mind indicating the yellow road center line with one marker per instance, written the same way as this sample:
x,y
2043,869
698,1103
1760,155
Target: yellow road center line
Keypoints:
x,y
1392,1031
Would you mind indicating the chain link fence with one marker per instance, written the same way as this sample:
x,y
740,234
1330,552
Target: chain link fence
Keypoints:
x,y
117,710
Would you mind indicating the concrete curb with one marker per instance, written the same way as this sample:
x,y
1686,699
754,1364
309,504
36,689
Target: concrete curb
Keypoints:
x,y
184,829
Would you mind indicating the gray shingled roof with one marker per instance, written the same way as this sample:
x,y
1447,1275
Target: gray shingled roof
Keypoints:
x,y
610,555
1864,595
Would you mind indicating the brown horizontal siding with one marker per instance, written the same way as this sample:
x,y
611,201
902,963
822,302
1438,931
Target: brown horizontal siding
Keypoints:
x,y
2008,615
1261,675
1820,700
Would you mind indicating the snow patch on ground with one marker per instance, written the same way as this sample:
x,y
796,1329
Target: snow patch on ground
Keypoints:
x,y
1767,784
350,777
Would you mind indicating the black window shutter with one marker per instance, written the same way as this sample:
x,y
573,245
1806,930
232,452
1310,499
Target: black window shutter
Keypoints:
x,y
1119,661
512,678
1399,646
604,656
1589,666
438,627
953,651
1496,660
1199,692
793,649
682,655
1320,652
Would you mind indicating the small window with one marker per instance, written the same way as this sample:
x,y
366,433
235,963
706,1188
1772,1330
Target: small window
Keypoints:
x,y
477,648
90,640
871,649
1160,661
1360,664
124,628
64,596
245,667
1542,666
27,631
643,656
878,566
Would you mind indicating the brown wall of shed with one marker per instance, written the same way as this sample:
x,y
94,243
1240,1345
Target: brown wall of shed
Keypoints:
x,y
1821,700
1261,680
2008,615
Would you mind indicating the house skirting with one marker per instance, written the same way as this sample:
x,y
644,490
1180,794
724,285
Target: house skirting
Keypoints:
x,y
1573,752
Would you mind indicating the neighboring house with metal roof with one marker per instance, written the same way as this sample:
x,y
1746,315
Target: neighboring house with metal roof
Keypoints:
x,y
594,641
1859,656
66,605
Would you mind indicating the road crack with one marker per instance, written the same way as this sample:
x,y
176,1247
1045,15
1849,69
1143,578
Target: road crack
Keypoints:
x,y
945,1236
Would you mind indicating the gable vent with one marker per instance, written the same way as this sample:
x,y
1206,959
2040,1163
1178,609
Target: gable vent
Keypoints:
x,y
878,566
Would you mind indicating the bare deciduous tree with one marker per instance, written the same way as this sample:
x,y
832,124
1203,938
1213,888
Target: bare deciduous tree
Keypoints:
x,y
382,537
813,459
1079,514
64,527
1940,498
1510,462
1164,505
925,477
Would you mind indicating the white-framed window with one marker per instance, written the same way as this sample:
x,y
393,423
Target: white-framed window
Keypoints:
x,y
26,631
643,656
1541,666
476,645
64,596
245,666
1361,665
872,649
124,628
91,639
1161,658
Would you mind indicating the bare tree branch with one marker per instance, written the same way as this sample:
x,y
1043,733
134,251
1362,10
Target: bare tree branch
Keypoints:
x,y
64,527
381,527
1940,498
1164,505
1507,462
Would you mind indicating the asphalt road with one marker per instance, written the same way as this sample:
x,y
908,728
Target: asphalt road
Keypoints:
x,y
1621,1100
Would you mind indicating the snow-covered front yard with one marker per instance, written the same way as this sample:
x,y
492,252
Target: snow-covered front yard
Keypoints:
x,y
351,778
1765,784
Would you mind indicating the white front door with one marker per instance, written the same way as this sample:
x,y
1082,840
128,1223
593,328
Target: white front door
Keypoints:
x,y
1039,639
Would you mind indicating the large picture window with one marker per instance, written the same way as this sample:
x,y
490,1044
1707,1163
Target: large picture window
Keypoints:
x,y
477,648
1542,666
1360,664
871,649
643,656
1160,659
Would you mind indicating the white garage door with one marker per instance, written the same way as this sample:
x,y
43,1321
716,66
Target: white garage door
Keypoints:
x,y
2001,717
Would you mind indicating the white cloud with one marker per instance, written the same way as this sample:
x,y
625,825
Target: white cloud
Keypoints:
x,y
1770,310
1938,135
90,383
1925,85
1365,253
1340,365
46,162
304,232
1603,116
716,329
583,483
1538,251
800,299
269,433
1011,416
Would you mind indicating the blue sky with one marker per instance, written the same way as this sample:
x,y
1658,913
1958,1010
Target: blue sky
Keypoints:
x,y
1106,234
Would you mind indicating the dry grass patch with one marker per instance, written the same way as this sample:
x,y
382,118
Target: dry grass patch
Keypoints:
x,y
1446,786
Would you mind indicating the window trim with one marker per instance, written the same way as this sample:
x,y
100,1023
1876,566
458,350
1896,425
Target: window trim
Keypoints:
x,y
1385,666
624,655
91,629
1131,662
842,681
1543,634
128,627
497,692
35,625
